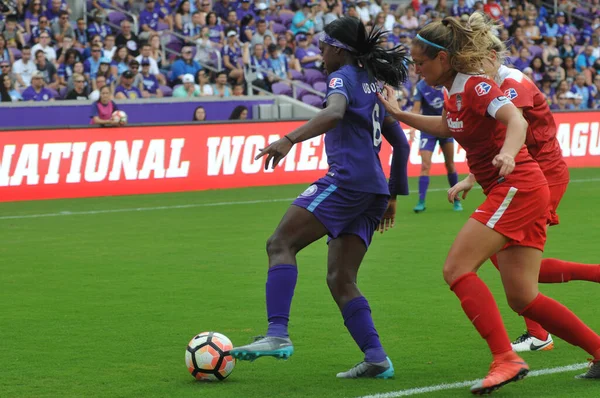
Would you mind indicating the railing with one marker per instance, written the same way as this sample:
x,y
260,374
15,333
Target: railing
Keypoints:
x,y
583,4
187,40
250,72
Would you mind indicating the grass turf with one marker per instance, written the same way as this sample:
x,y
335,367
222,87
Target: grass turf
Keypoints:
x,y
104,304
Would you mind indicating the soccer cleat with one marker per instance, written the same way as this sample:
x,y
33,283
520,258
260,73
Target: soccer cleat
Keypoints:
x,y
527,342
278,347
379,370
593,371
457,206
419,207
502,371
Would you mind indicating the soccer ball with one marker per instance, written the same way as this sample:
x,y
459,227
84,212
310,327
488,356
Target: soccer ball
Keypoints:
x,y
119,116
207,356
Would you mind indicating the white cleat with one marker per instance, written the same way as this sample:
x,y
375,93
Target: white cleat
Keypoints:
x,y
527,342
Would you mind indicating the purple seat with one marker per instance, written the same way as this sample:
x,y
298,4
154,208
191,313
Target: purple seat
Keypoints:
x,y
301,89
278,28
167,91
116,17
281,89
27,37
16,53
320,86
296,75
536,51
313,100
54,92
62,93
286,19
175,45
312,76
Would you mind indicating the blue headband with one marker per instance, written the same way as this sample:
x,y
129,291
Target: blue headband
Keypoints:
x,y
431,43
325,38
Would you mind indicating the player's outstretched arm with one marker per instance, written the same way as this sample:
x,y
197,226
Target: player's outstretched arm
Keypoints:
x,y
394,134
434,125
323,121
516,131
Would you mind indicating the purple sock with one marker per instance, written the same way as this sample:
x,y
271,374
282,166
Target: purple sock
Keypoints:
x,y
281,282
423,185
357,318
452,179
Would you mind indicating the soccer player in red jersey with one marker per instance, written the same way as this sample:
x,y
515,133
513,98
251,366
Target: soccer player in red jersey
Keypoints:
x,y
512,220
543,146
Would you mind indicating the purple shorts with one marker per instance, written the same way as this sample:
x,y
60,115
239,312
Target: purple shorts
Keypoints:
x,y
344,212
428,142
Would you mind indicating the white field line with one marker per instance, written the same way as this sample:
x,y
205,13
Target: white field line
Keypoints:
x,y
193,205
464,384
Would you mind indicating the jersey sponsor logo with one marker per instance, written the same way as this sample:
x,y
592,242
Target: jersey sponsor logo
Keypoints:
x,y
511,93
454,124
310,191
482,88
336,82
458,102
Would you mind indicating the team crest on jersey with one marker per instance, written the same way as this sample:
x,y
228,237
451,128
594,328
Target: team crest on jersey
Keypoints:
x,y
482,88
511,93
458,102
310,191
336,82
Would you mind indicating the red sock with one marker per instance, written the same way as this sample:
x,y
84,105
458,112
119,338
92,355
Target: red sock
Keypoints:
x,y
560,321
479,305
536,330
559,271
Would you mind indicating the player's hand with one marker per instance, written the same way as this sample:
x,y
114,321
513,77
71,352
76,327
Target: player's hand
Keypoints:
x,y
505,163
389,100
463,186
389,217
276,152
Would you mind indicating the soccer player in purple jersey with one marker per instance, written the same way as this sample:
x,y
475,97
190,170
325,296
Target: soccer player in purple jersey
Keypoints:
x,y
430,101
350,202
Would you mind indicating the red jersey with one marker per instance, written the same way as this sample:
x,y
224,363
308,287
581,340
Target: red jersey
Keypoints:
x,y
493,10
541,135
471,107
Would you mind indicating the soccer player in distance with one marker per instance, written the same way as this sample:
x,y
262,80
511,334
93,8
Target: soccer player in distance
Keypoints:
x,y
543,146
430,101
512,220
349,202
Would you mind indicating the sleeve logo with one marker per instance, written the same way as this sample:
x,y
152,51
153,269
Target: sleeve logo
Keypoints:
x,y
482,88
336,82
511,93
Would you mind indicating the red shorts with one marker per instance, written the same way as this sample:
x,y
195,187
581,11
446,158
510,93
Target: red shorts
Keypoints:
x,y
556,194
520,215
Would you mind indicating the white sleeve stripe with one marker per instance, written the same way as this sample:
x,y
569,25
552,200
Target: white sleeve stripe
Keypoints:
x,y
496,104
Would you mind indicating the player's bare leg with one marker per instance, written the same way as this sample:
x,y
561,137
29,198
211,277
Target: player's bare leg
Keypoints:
x,y
297,229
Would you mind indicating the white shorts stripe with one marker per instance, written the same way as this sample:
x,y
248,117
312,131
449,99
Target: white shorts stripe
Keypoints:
x,y
503,206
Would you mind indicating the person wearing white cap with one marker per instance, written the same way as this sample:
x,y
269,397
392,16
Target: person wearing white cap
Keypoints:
x,y
188,89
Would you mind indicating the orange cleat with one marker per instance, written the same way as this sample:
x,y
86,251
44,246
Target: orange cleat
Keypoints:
x,y
505,369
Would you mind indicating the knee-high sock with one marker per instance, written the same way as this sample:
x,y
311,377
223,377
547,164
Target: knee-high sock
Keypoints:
x,y
358,320
281,282
558,271
481,309
423,185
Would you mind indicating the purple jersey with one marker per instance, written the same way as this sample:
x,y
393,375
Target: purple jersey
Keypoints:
x,y
307,52
150,19
234,53
457,10
214,33
131,93
432,99
353,145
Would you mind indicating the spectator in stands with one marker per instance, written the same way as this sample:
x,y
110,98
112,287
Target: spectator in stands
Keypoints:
x,y
62,27
5,54
24,68
146,54
185,65
5,69
362,8
409,20
547,89
261,32
80,34
100,82
128,39
532,31
240,112
92,64
13,33
150,84
524,59
232,22
257,66
578,102
556,71
562,102
244,9
221,88
223,7
549,50
199,114
103,109
164,7
53,12
183,18
79,92
238,90
126,90
309,57
215,31
32,15
203,83
570,71
303,20
595,93
105,71
585,63
120,61
37,92
109,47
193,30
562,88
149,19
156,54
278,65
334,12
247,28
134,68
580,87
99,27
47,70
232,54
566,48
65,69
538,68
9,94
188,89
45,47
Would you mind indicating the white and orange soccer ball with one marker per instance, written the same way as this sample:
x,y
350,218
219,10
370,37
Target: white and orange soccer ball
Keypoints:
x,y
207,357
119,116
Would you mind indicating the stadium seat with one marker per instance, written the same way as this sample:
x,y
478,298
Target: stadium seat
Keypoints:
x,y
286,19
54,92
301,89
320,86
16,53
536,51
62,93
167,91
296,75
116,17
162,26
313,100
312,75
278,28
281,89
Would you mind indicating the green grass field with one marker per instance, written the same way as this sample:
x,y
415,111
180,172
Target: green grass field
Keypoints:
x,y
102,304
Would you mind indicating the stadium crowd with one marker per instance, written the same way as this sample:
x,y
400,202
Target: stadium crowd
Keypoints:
x,y
46,55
